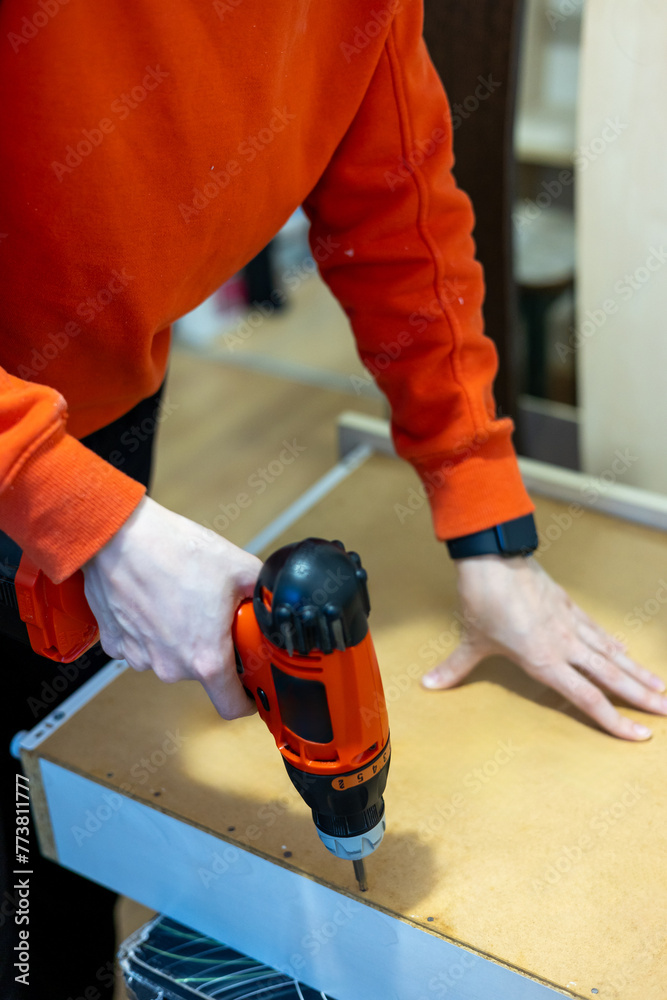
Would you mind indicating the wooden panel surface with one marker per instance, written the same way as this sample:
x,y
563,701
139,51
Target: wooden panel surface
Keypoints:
x,y
513,826
222,433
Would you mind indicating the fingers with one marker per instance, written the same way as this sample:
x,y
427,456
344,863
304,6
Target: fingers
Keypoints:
x,y
596,640
228,696
457,666
598,635
590,699
606,672
248,573
222,684
520,611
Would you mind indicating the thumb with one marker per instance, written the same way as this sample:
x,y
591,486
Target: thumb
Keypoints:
x,y
452,670
249,570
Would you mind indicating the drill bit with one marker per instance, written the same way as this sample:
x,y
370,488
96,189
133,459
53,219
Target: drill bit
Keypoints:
x,y
360,874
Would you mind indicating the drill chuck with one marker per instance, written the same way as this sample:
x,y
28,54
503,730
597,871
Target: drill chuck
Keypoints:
x,y
350,820
354,848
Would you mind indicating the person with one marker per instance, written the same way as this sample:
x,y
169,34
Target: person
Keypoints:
x,y
152,155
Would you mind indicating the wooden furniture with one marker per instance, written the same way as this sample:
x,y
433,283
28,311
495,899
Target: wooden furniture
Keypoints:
x,y
526,851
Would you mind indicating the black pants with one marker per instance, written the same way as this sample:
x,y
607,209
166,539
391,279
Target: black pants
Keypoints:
x,y
71,929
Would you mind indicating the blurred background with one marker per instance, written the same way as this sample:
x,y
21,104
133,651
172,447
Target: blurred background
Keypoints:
x,y
277,319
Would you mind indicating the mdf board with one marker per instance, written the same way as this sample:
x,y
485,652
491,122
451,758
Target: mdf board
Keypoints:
x,y
525,853
620,338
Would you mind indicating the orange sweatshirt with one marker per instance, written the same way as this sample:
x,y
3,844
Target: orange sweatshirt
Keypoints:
x,y
151,149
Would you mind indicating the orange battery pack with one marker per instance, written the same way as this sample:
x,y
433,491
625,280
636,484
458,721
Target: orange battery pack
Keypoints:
x,y
59,622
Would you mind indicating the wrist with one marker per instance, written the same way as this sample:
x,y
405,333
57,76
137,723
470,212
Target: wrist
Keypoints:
x,y
117,541
486,565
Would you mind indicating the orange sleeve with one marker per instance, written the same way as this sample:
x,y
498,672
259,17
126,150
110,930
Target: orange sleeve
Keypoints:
x,y
392,236
58,500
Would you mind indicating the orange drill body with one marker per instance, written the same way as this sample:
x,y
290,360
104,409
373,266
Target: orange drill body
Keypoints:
x,y
346,711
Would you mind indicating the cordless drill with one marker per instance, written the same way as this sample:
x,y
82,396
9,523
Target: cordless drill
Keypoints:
x,y
304,654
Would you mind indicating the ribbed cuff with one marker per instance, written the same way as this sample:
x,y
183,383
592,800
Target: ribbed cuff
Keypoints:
x,y
477,489
65,504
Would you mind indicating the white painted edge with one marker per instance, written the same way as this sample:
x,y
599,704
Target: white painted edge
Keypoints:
x,y
549,408
360,428
312,496
630,503
329,940
31,739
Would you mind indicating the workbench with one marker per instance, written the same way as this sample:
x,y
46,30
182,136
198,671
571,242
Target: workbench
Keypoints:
x,y
525,854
